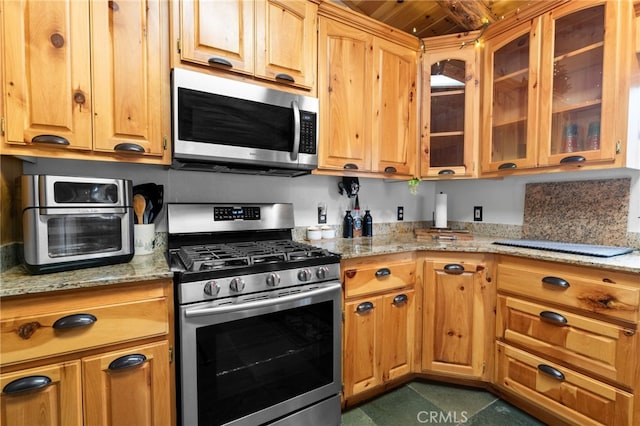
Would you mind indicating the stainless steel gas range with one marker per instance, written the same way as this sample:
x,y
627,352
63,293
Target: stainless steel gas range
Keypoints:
x,y
258,318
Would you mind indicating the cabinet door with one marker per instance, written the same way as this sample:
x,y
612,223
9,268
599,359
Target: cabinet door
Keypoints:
x,y
47,74
450,124
455,325
362,340
394,109
218,33
130,76
128,387
398,319
510,113
54,404
581,59
287,41
344,90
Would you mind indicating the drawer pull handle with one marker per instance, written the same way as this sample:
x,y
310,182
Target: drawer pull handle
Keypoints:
x,y
127,361
26,384
553,317
557,282
507,166
390,169
400,299
550,371
446,172
364,307
350,273
350,166
453,268
383,272
75,320
128,147
220,61
51,139
573,159
285,77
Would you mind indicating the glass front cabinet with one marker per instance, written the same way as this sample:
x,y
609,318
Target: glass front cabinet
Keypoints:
x,y
450,114
556,89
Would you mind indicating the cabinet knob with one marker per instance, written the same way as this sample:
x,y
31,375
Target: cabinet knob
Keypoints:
x,y
550,371
453,269
553,318
383,272
446,172
73,321
556,282
127,361
129,147
573,159
285,77
50,139
400,300
220,61
364,307
506,166
26,384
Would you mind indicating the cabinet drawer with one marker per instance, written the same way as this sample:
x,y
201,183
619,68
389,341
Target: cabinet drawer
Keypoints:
x,y
594,291
587,344
37,332
378,277
578,399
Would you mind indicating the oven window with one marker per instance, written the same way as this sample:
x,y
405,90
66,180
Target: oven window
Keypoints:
x,y
250,364
217,119
77,235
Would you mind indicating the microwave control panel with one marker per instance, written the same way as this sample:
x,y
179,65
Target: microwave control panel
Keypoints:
x,y
307,132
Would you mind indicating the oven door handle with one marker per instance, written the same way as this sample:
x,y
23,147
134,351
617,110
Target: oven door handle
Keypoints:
x,y
197,312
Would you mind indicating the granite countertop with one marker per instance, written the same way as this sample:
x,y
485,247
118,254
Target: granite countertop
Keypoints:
x,y
17,281
394,243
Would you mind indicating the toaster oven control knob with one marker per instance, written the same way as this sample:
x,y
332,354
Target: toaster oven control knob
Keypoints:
x,y
321,273
273,279
211,288
237,284
304,275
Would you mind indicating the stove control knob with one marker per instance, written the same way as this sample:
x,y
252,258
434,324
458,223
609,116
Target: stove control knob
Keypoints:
x,y
273,279
237,284
304,275
211,288
321,273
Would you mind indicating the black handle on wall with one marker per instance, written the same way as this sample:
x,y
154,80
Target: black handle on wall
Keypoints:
x,y
553,317
550,371
73,321
26,384
350,166
446,172
364,307
383,272
220,61
50,139
573,159
506,166
285,77
454,269
129,147
400,299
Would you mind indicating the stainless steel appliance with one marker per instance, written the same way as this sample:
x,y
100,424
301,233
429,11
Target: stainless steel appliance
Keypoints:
x,y
258,318
75,222
231,126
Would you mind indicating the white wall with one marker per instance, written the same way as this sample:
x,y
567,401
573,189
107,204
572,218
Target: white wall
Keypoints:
x,y
502,200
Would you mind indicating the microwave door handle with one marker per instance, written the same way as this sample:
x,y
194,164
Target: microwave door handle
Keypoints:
x,y
296,130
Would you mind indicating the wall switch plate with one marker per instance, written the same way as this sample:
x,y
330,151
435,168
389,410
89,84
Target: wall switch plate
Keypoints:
x,y
322,213
477,213
400,213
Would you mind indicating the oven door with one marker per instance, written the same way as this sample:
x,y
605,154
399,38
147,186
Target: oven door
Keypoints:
x,y
252,363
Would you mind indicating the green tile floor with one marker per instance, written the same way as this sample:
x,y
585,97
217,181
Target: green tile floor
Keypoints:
x,y
430,403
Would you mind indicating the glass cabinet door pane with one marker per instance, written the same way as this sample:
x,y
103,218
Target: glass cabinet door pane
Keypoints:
x,y
510,98
447,113
577,81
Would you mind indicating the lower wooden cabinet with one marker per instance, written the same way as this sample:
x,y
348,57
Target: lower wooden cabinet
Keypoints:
x,y
459,301
379,322
119,377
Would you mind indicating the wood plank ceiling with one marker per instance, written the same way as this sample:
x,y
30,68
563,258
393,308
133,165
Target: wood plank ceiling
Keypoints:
x,y
429,18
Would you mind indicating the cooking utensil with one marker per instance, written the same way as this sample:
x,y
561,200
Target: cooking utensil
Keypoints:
x,y
154,195
147,211
139,206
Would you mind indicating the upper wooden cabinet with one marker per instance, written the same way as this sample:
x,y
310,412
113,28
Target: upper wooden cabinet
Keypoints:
x,y
86,80
368,97
450,108
556,90
274,40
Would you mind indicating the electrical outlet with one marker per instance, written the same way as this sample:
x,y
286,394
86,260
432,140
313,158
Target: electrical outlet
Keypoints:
x,y
400,213
477,213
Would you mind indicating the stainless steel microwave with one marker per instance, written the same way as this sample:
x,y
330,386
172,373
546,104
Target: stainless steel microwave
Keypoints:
x,y
225,125
74,222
